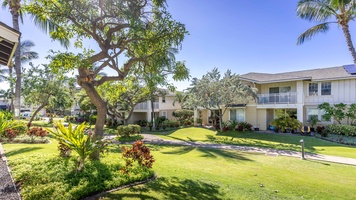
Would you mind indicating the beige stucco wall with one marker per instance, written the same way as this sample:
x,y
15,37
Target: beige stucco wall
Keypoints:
x,y
262,118
251,115
168,105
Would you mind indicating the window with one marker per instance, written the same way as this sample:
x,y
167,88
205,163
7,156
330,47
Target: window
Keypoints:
x,y
316,112
233,115
163,99
284,89
237,115
164,114
326,88
274,90
313,89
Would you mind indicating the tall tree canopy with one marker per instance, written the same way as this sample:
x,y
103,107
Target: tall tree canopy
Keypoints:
x,y
136,30
215,92
327,12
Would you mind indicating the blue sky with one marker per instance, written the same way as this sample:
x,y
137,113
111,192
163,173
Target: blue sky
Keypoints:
x,y
241,35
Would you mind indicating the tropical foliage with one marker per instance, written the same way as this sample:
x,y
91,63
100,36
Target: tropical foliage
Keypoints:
x,y
215,92
142,31
327,12
76,140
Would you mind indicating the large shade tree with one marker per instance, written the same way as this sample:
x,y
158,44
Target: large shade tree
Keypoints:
x,y
137,30
327,12
213,92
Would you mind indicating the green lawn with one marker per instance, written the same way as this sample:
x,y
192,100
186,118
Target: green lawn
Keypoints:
x,y
42,174
265,140
197,173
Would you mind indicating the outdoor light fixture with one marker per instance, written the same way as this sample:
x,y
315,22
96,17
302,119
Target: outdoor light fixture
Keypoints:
x,y
302,143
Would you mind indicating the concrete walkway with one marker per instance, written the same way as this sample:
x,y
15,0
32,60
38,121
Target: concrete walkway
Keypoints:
x,y
152,139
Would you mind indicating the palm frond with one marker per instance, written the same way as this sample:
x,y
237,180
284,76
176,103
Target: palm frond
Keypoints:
x,y
315,10
307,35
48,26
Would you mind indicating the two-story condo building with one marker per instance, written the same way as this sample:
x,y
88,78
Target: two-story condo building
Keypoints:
x,y
300,91
163,106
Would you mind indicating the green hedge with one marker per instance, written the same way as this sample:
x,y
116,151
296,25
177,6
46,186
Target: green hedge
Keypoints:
x,y
127,130
341,129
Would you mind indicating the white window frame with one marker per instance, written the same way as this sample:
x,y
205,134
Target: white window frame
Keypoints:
x,y
321,83
320,113
244,111
164,113
319,93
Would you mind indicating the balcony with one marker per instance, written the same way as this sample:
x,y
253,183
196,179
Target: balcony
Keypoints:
x,y
146,106
279,98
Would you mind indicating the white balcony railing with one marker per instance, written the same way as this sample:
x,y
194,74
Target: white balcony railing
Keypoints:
x,y
141,106
279,98
146,106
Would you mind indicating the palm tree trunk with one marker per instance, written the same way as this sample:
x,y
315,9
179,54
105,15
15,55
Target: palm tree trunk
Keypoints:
x,y
14,9
345,29
11,90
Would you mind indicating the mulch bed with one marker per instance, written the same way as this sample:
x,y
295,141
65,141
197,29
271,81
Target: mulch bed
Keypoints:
x,y
7,187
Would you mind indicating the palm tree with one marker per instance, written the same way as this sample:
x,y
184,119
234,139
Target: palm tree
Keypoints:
x,y
181,98
342,11
3,73
16,10
26,55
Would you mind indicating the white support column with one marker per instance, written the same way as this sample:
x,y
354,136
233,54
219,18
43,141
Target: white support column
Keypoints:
x,y
300,114
195,116
300,92
148,111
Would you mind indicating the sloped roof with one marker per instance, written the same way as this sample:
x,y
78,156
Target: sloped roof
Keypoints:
x,y
9,39
331,73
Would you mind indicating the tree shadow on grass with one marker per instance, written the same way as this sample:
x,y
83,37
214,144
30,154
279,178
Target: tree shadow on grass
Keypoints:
x,y
172,188
22,150
210,152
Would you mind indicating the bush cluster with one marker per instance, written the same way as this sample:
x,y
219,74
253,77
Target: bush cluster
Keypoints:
x,y
36,131
234,125
137,153
341,129
127,130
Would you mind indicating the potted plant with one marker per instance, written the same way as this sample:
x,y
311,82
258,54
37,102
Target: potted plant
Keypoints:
x,y
313,120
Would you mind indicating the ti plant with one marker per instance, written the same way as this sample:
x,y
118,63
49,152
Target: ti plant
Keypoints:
x,y
76,140
7,123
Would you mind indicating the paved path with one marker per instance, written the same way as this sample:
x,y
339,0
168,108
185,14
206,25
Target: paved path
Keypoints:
x,y
153,139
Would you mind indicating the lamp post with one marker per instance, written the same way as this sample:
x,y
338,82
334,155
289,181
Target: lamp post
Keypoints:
x,y
302,143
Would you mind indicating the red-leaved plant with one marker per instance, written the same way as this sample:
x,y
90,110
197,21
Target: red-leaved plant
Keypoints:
x,y
36,131
11,133
137,153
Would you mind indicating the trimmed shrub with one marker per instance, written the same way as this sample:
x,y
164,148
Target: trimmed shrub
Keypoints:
x,y
244,126
36,131
127,130
341,129
11,133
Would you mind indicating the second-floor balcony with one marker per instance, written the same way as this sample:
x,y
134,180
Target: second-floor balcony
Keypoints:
x,y
278,98
146,106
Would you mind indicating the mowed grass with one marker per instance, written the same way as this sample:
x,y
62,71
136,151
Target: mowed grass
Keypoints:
x,y
265,140
202,173
42,174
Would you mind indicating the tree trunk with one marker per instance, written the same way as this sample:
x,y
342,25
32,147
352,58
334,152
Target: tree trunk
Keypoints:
x,y
38,109
11,91
220,119
100,106
15,23
345,29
